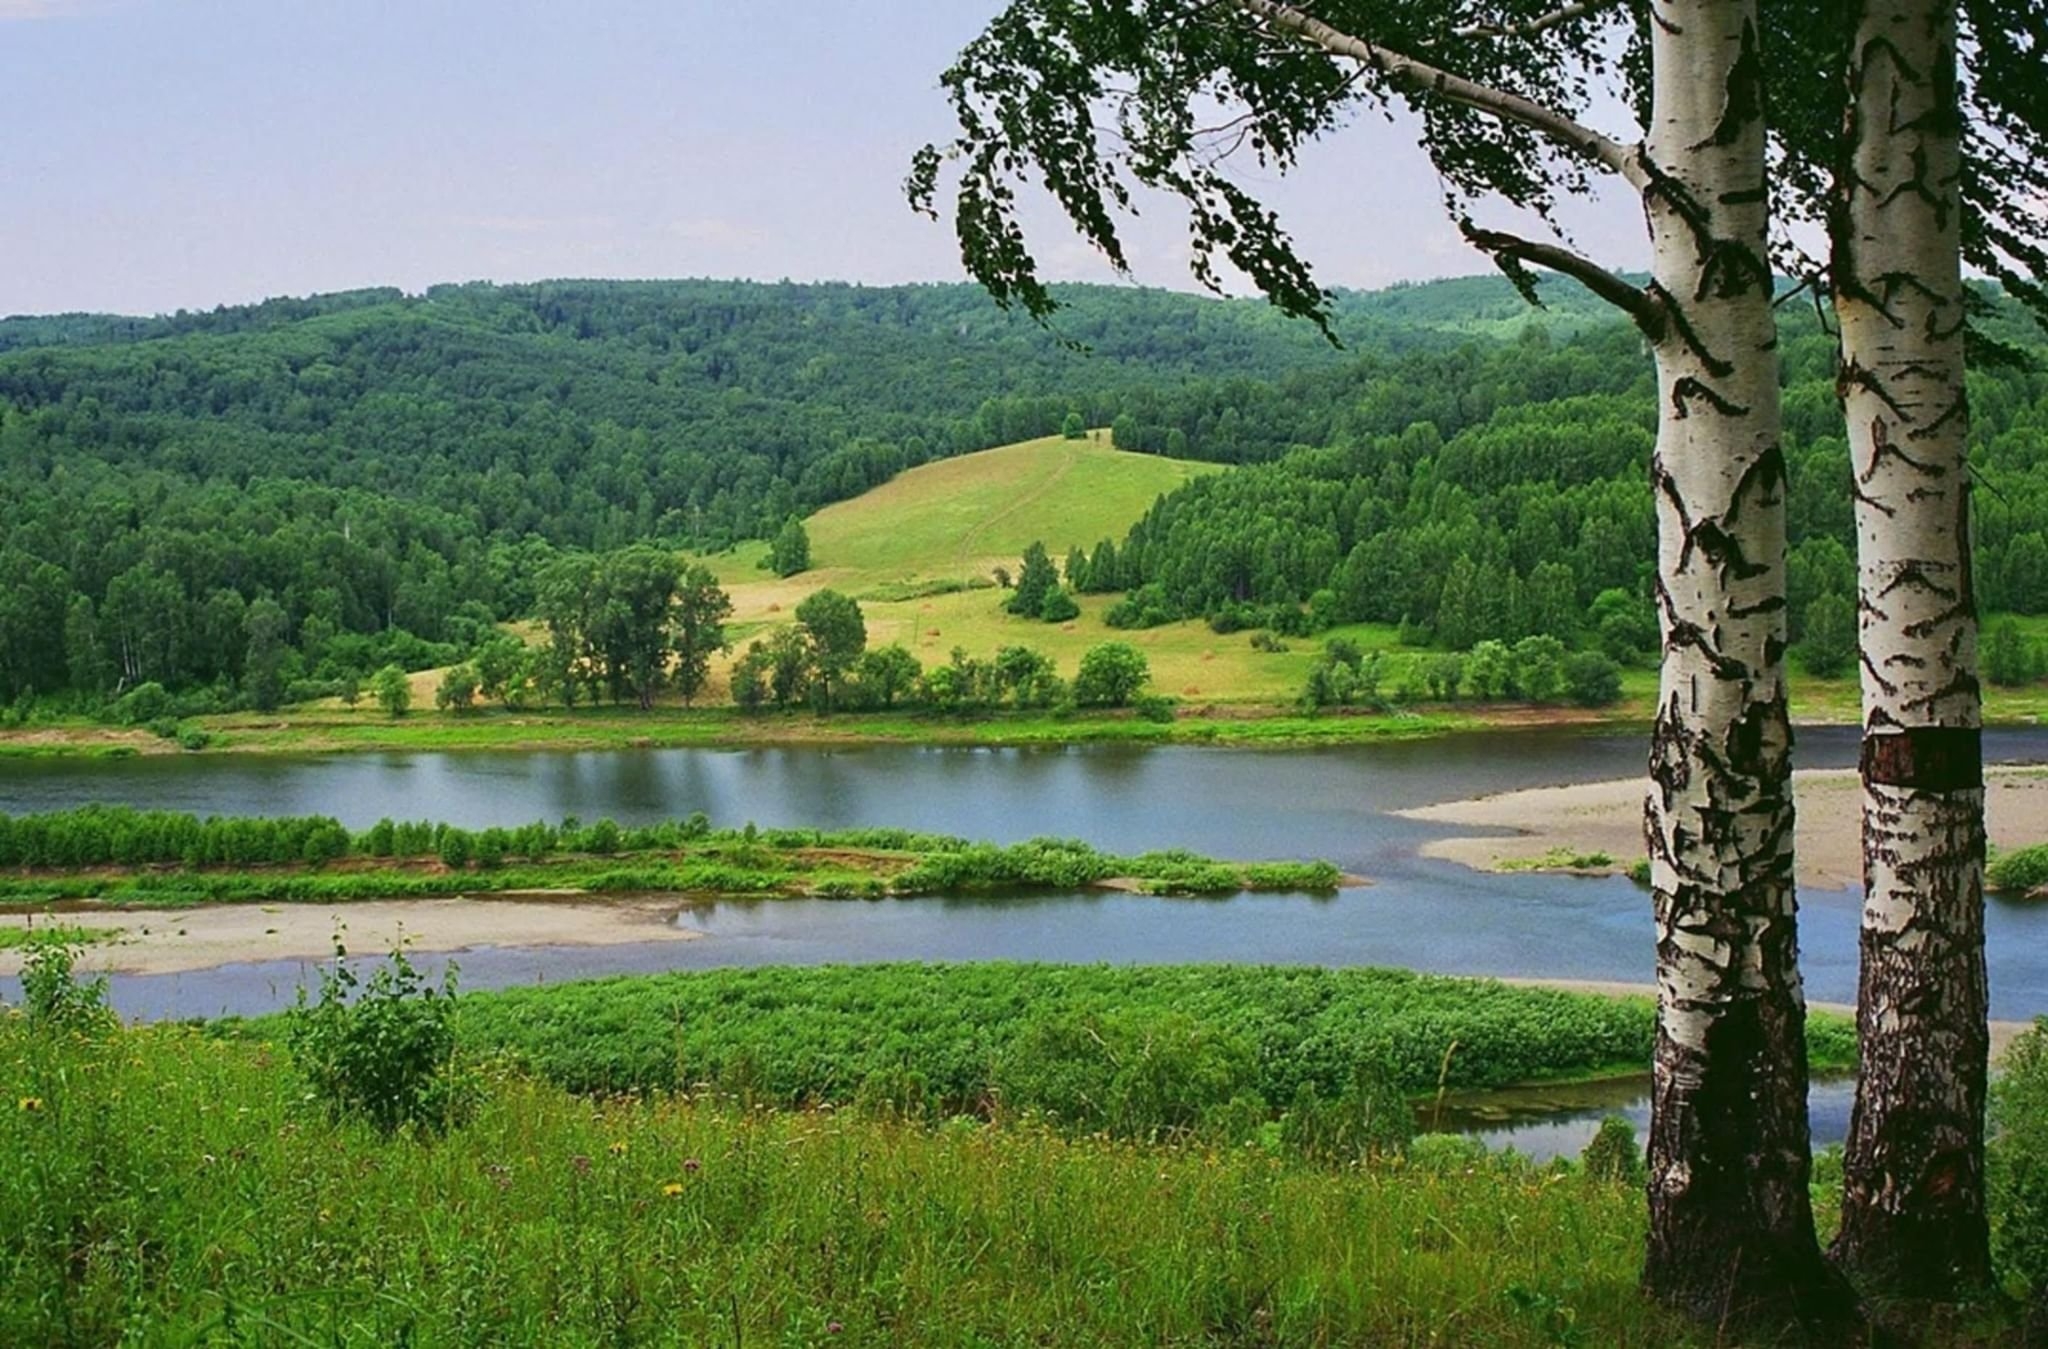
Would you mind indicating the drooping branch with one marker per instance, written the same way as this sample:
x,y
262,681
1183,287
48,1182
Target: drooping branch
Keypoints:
x,y
1510,251
1543,23
1405,72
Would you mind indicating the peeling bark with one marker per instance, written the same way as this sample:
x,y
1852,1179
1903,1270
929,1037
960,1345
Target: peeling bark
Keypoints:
x,y
1731,1224
1913,1221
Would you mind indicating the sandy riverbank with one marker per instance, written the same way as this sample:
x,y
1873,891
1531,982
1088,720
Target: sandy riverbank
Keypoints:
x,y
1608,817
168,941
2003,1033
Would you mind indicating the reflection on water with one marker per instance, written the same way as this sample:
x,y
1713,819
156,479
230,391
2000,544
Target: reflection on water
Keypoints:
x,y
1543,1122
1332,803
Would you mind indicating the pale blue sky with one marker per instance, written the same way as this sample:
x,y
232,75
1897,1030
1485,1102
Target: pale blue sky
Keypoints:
x,y
158,154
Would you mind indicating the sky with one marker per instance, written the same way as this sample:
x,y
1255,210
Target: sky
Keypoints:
x,y
167,154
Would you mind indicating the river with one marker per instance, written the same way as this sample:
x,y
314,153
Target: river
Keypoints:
x,y
1332,803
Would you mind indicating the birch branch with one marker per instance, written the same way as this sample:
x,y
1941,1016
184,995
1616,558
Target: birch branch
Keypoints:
x,y
1420,77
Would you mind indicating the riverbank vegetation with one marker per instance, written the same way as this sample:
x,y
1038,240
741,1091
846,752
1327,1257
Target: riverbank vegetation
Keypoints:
x,y
162,1178
1134,1050
1090,1181
117,855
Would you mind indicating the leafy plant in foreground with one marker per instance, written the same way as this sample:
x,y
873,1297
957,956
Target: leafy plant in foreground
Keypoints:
x,y
381,1049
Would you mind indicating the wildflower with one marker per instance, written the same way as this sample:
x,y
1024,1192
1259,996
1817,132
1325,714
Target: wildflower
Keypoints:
x,y
31,1104
833,1327
618,1149
581,1163
672,1189
691,1163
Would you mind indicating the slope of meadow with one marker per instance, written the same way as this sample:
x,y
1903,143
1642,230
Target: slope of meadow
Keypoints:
x,y
955,521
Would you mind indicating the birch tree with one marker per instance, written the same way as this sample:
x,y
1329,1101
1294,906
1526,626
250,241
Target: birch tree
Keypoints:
x,y
1879,158
1094,100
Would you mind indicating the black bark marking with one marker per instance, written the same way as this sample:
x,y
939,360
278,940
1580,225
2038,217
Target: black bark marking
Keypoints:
x,y
1688,388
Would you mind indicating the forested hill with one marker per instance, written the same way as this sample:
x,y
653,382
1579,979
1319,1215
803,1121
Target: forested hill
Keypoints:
x,y
372,477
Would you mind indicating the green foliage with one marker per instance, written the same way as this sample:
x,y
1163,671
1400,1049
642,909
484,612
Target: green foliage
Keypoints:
x,y
1072,427
969,1031
789,552
1592,679
1110,675
1059,607
2019,871
1036,579
219,1209
2010,660
391,691
837,634
1613,1155
457,690
383,1049
1829,645
1155,707
2017,1162
53,997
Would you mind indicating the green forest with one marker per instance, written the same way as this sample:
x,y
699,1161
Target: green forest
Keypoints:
x,y
267,503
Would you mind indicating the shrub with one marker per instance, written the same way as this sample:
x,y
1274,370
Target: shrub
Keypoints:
x,y
1153,707
141,704
192,738
2018,1161
1110,675
2019,871
381,1050
1592,679
1059,607
51,996
1613,1154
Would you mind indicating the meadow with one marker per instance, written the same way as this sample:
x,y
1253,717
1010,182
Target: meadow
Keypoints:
x,y
174,1188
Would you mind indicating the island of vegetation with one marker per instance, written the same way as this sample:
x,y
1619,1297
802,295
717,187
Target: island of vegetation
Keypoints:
x,y
134,858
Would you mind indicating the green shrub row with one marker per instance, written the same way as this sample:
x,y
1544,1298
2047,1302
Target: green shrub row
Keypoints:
x,y
1100,1046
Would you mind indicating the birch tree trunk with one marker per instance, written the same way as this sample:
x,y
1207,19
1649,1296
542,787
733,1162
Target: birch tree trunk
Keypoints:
x,y
1731,1225
1913,1221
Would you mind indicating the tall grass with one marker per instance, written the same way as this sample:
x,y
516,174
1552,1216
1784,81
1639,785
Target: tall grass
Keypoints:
x,y
175,1189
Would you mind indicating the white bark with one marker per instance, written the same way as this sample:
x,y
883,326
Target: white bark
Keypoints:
x,y
1913,1221
1731,1225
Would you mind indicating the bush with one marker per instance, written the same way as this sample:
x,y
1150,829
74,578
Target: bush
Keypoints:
x,y
1592,679
2017,1162
384,1050
1059,607
1154,707
1613,1154
192,738
1370,1119
1110,675
51,996
141,704
2019,871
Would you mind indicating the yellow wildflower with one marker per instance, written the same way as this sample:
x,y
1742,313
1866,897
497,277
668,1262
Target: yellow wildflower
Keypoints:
x,y
31,1104
672,1189
619,1148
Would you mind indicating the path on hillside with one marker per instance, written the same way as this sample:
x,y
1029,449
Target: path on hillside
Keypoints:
x,y
1052,480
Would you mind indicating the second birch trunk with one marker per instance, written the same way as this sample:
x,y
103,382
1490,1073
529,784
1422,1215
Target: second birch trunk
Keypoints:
x,y
1913,1219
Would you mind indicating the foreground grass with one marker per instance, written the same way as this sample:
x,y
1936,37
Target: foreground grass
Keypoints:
x,y
175,1188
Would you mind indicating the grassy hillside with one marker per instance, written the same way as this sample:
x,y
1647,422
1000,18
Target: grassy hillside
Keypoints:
x,y
959,517
957,520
